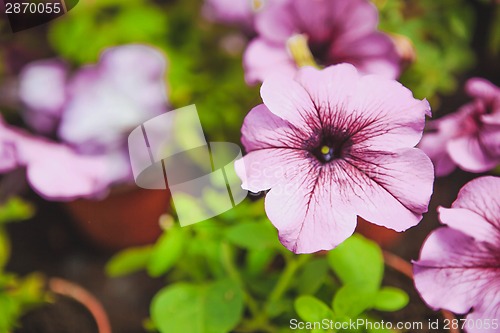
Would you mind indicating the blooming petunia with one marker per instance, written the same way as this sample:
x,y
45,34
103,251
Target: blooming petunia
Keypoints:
x,y
90,112
42,89
459,265
337,31
239,12
53,170
470,137
331,145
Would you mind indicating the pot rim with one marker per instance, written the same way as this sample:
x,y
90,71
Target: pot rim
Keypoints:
x,y
72,290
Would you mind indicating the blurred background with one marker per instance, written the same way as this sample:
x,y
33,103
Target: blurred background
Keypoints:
x,y
443,42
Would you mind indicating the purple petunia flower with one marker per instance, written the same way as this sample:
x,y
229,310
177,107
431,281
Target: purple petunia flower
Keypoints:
x,y
459,266
337,31
470,137
239,12
90,112
53,170
331,145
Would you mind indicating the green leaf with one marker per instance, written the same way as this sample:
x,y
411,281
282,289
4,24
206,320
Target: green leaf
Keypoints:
x,y
167,251
391,299
275,308
129,261
312,276
352,300
358,261
15,209
309,308
253,235
257,260
212,308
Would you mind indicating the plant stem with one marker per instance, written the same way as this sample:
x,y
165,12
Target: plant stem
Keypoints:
x,y
228,263
287,276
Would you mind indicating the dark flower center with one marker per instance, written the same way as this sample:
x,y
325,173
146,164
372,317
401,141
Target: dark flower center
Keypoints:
x,y
328,149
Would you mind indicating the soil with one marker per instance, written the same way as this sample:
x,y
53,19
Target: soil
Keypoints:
x,y
62,316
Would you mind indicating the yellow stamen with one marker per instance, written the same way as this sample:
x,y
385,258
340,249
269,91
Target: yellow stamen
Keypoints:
x,y
325,150
297,45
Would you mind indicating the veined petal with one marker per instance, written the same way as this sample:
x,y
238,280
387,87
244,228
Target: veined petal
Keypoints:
x,y
389,115
263,129
470,223
401,182
329,89
456,272
262,169
480,196
287,99
308,213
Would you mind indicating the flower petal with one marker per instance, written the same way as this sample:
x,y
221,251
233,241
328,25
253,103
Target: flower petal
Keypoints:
x,y
287,99
372,54
469,154
42,88
378,113
330,89
434,145
276,22
263,129
263,58
391,118
262,169
469,222
455,272
481,88
308,213
401,182
55,171
106,103
479,196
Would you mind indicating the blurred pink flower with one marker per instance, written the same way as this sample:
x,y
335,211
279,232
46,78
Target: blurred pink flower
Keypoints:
x,y
239,12
91,112
53,170
337,31
459,266
330,145
470,137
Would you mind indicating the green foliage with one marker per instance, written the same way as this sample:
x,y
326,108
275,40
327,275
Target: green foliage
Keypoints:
x,y
239,274
157,259
101,24
129,261
391,299
15,210
310,308
208,308
441,33
166,252
17,295
253,235
358,262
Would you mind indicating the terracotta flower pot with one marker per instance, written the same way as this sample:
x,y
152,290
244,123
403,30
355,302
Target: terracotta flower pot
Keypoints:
x,y
127,217
73,309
